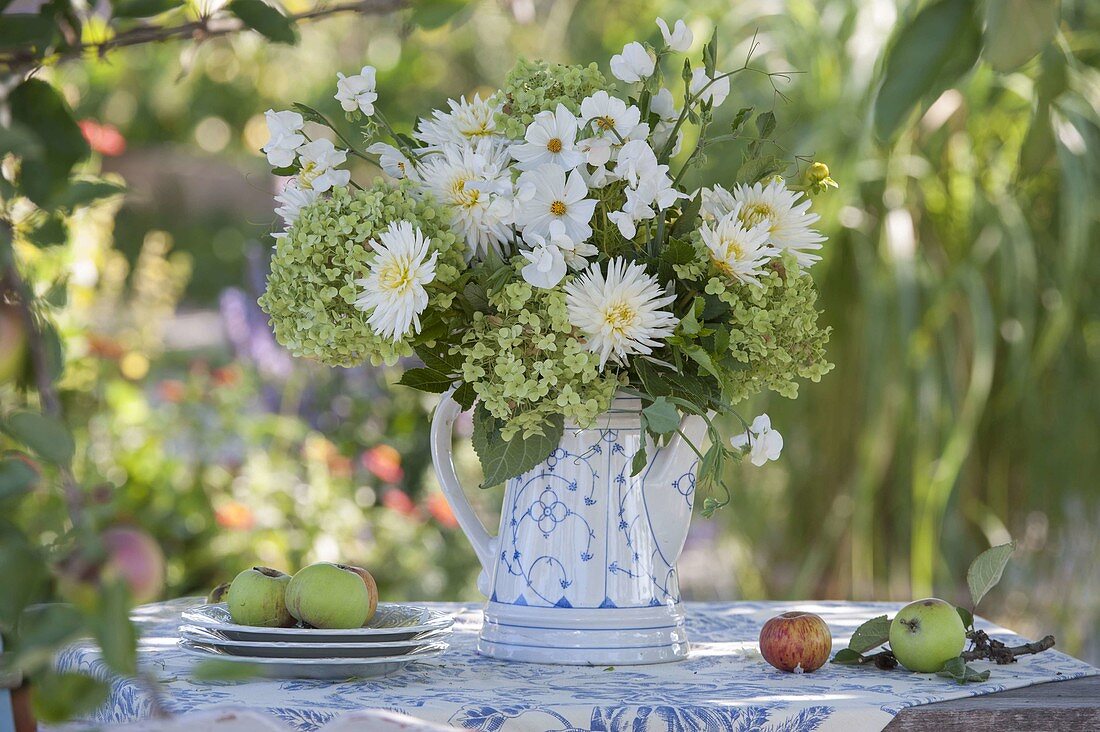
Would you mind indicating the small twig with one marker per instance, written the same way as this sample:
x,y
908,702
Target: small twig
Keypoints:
x,y
986,648
198,30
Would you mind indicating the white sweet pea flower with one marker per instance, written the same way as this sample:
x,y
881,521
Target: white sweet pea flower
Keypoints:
x,y
546,266
285,129
292,199
679,39
633,64
716,93
649,187
664,107
357,92
550,138
393,161
764,443
572,251
319,161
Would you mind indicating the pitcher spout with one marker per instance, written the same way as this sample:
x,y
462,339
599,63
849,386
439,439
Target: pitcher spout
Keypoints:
x,y
670,486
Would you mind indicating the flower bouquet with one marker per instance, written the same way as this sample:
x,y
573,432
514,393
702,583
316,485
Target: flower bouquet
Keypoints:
x,y
541,252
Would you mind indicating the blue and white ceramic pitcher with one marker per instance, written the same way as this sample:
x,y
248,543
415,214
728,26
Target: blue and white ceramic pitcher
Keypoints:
x,y
583,569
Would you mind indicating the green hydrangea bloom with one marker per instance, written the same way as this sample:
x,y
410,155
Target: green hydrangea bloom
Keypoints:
x,y
536,86
311,288
526,365
773,330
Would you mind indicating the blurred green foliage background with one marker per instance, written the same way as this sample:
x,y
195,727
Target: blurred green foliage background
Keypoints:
x,y
961,280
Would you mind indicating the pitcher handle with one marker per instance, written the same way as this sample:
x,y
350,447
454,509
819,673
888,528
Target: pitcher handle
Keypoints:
x,y
484,544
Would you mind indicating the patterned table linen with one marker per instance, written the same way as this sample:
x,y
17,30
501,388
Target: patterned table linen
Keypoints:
x,y
724,686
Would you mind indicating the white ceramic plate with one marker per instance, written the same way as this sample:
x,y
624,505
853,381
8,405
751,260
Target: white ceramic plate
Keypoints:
x,y
277,649
316,668
391,622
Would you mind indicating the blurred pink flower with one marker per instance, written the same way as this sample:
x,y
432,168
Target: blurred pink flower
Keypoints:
x,y
385,463
103,139
440,509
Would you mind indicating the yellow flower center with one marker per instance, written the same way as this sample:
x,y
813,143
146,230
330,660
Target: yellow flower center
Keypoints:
x,y
605,123
554,145
395,277
462,196
558,208
756,213
619,317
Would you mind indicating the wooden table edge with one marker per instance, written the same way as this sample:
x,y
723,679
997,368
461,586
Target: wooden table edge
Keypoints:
x,y
1048,707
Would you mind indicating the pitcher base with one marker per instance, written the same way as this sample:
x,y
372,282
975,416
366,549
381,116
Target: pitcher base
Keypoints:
x,y
584,637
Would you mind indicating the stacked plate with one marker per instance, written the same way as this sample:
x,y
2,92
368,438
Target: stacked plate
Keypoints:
x,y
397,635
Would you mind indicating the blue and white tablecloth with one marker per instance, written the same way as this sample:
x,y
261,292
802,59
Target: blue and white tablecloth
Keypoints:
x,y
723,686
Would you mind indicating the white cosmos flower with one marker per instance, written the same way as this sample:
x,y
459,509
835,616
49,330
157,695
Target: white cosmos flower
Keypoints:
x,y
470,122
620,314
476,185
715,93
766,443
786,218
393,161
319,160
679,38
291,199
550,138
633,64
357,91
546,266
739,251
394,293
545,195
285,137
572,251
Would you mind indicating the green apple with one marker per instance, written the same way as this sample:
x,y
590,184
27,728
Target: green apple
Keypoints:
x,y
257,597
926,634
326,595
372,590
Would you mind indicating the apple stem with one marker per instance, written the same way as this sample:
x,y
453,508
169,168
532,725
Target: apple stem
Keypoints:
x,y
993,650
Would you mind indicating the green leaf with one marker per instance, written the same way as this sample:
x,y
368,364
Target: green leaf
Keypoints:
x,y
142,8
847,656
220,670
18,30
1017,30
502,460
967,617
465,396
16,477
21,141
985,571
265,20
958,669
113,630
61,697
429,14
756,169
82,192
51,230
710,54
38,107
765,124
701,357
662,416
427,380
309,114
45,435
929,53
639,461
871,634
740,119
684,225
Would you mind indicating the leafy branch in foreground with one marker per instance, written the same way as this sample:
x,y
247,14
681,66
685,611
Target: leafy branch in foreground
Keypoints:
x,y
983,574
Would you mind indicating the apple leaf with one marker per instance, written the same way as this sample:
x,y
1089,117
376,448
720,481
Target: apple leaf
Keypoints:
x,y
958,669
985,571
870,635
503,460
662,417
46,435
848,657
967,617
